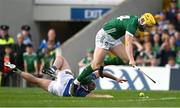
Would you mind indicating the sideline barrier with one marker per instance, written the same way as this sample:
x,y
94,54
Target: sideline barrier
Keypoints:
x,y
175,79
166,78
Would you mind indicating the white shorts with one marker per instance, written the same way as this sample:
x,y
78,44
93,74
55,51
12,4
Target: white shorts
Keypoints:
x,y
105,41
58,86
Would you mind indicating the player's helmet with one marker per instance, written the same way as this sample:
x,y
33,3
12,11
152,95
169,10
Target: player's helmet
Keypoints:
x,y
91,86
148,19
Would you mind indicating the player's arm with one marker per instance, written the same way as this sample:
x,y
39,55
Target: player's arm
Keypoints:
x,y
129,48
138,45
111,76
99,95
129,38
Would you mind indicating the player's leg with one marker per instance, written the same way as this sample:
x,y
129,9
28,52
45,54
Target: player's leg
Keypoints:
x,y
120,51
60,63
43,83
102,45
98,59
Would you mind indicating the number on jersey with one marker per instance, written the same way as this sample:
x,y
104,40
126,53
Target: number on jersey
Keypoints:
x,y
123,17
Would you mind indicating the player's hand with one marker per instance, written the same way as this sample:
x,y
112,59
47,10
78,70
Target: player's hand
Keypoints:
x,y
121,80
132,63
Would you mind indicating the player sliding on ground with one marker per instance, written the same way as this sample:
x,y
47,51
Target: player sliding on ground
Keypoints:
x,y
109,39
64,78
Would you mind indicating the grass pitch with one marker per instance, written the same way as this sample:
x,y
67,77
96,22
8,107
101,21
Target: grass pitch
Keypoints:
x,y
30,97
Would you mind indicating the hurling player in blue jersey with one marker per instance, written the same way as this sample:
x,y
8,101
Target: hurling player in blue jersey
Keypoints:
x,y
60,86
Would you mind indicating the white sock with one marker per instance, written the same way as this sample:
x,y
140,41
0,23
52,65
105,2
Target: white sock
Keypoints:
x,y
76,82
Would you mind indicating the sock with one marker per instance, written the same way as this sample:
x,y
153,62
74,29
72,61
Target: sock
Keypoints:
x,y
76,82
54,68
87,71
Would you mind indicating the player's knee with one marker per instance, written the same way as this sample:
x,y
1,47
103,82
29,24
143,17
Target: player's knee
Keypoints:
x,y
59,57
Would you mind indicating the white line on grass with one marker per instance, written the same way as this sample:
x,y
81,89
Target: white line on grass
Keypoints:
x,y
151,99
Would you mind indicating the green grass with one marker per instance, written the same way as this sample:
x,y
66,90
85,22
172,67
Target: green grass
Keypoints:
x,y
37,97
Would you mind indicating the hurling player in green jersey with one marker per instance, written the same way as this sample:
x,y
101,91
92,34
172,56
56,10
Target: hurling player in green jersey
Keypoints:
x,y
109,38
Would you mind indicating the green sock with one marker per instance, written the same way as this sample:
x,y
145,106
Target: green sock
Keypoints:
x,y
87,71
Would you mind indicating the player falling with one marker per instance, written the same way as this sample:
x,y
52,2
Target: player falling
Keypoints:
x,y
64,79
109,38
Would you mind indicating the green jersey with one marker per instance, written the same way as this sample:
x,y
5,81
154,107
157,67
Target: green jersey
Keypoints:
x,y
30,60
117,27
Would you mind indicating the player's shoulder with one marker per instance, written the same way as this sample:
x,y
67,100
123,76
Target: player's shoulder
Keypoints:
x,y
133,17
130,17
